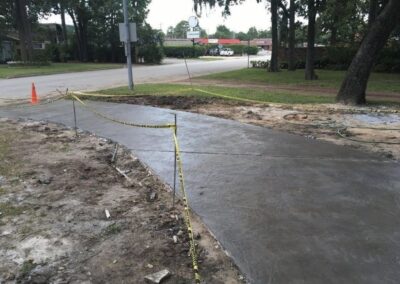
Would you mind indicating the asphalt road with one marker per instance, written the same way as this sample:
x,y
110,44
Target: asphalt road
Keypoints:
x,y
172,70
287,209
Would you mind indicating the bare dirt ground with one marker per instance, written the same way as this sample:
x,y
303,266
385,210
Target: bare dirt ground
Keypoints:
x,y
315,121
54,190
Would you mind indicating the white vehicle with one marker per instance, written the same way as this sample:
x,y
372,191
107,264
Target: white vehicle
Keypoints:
x,y
226,52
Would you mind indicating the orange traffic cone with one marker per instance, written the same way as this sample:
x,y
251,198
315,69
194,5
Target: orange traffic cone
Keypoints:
x,y
34,99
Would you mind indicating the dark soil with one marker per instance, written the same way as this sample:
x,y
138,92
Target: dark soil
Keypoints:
x,y
54,190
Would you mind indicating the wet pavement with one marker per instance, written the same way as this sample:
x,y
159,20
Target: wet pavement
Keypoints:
x,y
286,208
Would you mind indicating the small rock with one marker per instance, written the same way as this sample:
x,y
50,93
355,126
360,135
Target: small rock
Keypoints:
x,y
151,196
180,233
44,179
158,276
175,238
115,261
150,265
40,274
107,214
197,236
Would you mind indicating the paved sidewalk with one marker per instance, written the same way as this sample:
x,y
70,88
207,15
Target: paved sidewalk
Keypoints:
x,y
286,208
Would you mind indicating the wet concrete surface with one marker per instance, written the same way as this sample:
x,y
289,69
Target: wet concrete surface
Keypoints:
x,y
286,208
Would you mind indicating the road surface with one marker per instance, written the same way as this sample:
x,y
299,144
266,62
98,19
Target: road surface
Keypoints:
x,y
172,70
287,209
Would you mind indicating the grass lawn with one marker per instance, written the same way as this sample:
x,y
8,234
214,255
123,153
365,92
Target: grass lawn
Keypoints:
x,y
239,93
379,82
55,68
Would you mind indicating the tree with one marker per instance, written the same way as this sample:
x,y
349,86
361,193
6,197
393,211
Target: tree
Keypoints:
x,y
313,6
274,67
312,11
170,32
223,32
181,29
242,36
264,34
226,4
353,88
24,30
79,12
292,35
252,33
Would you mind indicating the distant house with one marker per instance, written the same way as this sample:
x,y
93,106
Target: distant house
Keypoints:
x,y
264,43
177,42
10,48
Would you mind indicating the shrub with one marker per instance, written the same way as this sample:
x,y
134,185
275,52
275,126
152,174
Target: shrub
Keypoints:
x,y
151,54
240,49
260,64
27,63
185,51
251,50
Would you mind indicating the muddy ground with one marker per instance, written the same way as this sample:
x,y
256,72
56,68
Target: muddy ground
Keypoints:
x,y
338,124
54,190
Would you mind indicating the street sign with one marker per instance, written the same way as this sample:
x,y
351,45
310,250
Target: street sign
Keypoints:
x,y
193,22
132,30
212,40
193,34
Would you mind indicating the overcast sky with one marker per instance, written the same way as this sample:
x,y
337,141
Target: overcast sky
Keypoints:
x,y
165,13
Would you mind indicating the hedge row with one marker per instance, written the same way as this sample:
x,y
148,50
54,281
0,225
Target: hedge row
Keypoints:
x,y
339,58
200,50
239,49
184,51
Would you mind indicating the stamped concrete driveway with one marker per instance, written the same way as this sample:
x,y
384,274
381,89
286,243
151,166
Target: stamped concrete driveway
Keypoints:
x,y
287,209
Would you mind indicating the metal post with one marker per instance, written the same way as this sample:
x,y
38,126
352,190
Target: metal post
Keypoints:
x,y
128,44
75,126
248,54
188,72
176,133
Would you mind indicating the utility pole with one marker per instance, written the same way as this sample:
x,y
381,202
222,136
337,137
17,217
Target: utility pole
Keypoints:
x,y
128,43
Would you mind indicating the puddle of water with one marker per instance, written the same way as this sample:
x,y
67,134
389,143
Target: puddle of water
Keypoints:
x,y
376,118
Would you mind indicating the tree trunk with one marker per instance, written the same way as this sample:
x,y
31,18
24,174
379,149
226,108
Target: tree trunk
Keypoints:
x,y
292,36
373,12
80,26
310,74
63,25
275,43
24,30
78,37
354,84
333,39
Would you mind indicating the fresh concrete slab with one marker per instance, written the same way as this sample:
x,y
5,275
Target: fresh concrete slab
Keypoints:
x,y
286,208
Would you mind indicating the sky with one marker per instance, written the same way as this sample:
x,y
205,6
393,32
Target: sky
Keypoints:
x,y
165,13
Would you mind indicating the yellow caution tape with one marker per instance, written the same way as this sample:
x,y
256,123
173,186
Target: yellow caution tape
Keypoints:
x,y
24,103
188,223
121,121
178,158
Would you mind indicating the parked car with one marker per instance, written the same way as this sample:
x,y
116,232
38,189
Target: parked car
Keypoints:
x,y
226,52
213,51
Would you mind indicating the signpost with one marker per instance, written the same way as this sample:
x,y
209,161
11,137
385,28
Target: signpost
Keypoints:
x,y
127,34
192,34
